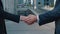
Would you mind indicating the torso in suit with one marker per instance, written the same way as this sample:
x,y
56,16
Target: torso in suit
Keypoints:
x,y
51,16
5,15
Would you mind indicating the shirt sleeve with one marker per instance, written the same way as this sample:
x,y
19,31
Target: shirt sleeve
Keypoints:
x,y
37,18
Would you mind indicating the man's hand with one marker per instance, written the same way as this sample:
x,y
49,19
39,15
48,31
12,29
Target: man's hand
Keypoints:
x,y
22,18
30,19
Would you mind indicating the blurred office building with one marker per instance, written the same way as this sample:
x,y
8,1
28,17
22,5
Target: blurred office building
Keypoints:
x,y
13,5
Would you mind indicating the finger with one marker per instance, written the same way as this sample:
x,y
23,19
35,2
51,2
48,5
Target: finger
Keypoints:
x,y
25,18
22,17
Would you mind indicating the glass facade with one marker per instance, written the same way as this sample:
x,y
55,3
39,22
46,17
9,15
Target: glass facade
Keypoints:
x,y
15,5
20,1
49,2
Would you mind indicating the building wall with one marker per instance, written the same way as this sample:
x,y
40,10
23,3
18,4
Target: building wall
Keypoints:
x,y
49,2
11,5
44,3
39,3
20,1
8,6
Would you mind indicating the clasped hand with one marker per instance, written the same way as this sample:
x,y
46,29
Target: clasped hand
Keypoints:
x,y
30,19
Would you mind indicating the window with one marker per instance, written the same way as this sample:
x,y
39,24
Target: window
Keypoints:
x,y
47,3
39,3
47,0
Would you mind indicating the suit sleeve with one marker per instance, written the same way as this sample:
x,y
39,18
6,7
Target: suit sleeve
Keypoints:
x,y
11,17
51,15
8,16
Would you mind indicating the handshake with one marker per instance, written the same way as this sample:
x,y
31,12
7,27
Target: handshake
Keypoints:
x,y
30,19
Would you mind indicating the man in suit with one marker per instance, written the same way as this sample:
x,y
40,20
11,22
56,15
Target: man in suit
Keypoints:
x,y
5,15
47,17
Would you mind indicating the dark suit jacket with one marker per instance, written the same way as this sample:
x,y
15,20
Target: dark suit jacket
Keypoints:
x,y
5,15
51,16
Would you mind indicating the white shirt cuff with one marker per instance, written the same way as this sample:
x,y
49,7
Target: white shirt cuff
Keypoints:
x,y
37,18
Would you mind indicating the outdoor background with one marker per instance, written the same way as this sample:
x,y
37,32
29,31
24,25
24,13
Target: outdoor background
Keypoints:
x,y
26,7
